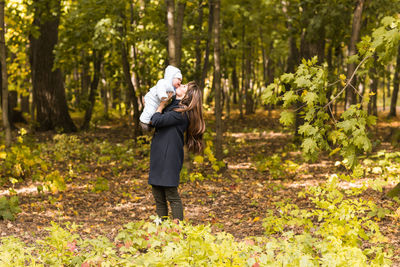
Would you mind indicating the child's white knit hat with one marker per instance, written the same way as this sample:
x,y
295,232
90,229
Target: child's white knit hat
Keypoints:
x,y
178,75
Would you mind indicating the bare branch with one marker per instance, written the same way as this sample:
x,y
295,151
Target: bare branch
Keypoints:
x,y
348,81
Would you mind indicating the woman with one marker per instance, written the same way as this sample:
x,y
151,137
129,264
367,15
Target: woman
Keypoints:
x,y
185,113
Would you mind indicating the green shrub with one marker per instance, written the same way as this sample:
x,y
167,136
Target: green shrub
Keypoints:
x,y
276,166
9,207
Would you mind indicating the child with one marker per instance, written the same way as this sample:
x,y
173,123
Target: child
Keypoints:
x,y
172,80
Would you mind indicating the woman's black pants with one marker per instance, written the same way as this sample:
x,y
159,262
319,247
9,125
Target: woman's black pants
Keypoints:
x,y
163,194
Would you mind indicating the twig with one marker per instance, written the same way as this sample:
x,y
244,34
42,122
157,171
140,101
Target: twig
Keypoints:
x,y
331,84
355,89
348,81
333,116
297,109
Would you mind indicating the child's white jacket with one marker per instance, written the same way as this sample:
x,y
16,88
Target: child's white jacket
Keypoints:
x,y
159,92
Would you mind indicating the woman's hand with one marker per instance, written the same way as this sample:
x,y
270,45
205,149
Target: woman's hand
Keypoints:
x,y
164,102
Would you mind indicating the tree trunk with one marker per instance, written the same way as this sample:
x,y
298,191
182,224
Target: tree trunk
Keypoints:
x,y
207,52
4,77
85,77
199,28
248,90
293,57
228,96
105,95
128,81
48,85
372,105
171,32
388,81
135,75
265,60
179,31
25,103
396,81
351,96
217,79
235,83
14,115
242,87
383,94
97,59
77,92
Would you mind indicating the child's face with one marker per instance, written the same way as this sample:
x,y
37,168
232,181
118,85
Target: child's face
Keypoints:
x,y
176,82
181,91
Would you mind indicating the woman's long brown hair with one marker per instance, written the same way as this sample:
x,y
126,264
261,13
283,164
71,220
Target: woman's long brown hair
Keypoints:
x,y
192,105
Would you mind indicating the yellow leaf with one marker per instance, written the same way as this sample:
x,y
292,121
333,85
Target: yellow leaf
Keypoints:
x,y
342,77
199,159
334,151
3,155
256,219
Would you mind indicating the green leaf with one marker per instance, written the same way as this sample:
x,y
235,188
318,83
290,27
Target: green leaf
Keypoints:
x,y
387,21
353,59
268,96
307,129
309,145
346,125
7,215
289,97
310,98
371,120
287,77
287,118
303,82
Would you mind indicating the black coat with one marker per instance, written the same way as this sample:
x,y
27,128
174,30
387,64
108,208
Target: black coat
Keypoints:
x,y
166,154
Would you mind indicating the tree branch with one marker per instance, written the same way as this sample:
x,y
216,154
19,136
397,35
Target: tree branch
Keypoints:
x,y
348,81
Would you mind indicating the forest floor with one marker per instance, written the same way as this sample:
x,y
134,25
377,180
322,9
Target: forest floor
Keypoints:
x,y
235,202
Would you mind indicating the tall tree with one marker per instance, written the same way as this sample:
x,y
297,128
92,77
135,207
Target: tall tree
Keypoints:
x,y
179,31
207,50
97,59
396,85
4,76
247,79
48,85
199,28
372,105
351,97
171,31
217,80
